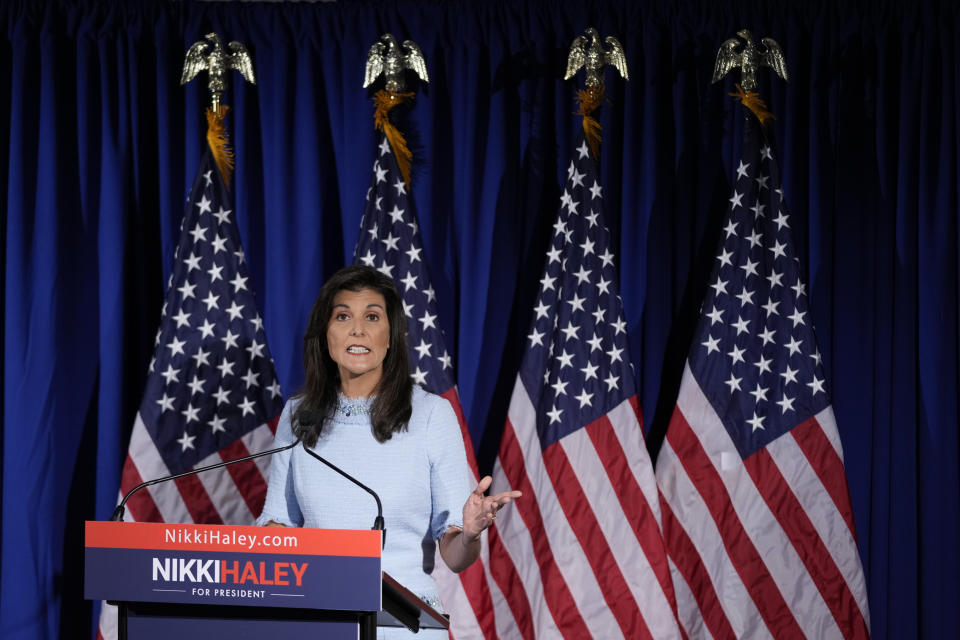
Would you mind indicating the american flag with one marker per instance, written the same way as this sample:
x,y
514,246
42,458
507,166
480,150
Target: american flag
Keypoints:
x,y
757,515
581,554
390,242
212,392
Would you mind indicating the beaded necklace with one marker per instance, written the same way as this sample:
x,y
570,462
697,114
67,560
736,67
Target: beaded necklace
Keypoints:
x,y
353,406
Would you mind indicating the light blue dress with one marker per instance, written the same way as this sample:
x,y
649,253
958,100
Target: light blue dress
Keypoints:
x,y
420,474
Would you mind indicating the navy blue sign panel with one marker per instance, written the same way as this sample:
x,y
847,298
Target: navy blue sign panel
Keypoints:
x,y
261,580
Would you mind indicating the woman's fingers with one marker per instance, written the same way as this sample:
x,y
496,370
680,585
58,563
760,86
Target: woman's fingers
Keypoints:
x,y
483,485
485,508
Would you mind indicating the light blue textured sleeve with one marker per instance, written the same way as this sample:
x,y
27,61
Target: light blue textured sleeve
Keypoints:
x,y
450,477
281,504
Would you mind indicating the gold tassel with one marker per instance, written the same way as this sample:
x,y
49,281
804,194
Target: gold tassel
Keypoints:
x,y
751,100
589,100
384,101
218,141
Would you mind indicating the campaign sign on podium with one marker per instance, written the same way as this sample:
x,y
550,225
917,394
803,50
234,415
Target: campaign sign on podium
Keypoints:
x,y
176,567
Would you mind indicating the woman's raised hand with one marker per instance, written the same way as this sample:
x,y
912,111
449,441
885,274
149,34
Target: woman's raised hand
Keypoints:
x,y
480,511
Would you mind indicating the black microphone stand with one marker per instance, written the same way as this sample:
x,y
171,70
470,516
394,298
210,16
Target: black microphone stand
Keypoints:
x,y
378,523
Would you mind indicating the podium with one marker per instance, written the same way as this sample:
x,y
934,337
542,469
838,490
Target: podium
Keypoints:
x,y
188,582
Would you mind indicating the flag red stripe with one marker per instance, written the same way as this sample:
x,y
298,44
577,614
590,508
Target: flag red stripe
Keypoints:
x,y
506,577
583,522
749,565
197,501
816,557
454,399
246,475
635,404
475,585
829,467
687,560
556,592
141,505
272,423
632,501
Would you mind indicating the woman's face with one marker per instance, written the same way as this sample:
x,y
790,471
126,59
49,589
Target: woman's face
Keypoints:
x,y
358,336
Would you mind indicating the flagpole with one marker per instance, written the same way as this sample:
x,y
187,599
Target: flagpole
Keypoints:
x,y
390,241
751,462
211,394
582,554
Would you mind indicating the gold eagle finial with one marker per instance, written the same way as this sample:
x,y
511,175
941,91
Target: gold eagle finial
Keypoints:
x,y
748,59
590,55
391,59
209,55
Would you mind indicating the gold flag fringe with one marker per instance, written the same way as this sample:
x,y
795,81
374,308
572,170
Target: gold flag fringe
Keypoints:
x,y
589,100
218,140
383,102
751,100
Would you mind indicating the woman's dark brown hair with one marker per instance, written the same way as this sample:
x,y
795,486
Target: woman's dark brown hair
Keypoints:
x,y
391,408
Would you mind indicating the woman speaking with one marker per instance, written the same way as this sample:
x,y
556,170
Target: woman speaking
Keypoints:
x,y
360,410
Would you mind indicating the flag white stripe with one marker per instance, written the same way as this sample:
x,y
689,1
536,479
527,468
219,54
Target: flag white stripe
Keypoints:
x,y
463,625
687,603
688,507
828,423
109,621
762,527
855,578
505,624
260,439
570,559
823,513
618,532
516,541
224,493
149,464
169,502
630,434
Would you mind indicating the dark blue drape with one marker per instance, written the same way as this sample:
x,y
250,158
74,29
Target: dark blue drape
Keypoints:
x,y
99,143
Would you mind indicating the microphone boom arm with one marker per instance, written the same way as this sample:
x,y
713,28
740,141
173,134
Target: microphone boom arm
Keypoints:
x,y
378,523
118,512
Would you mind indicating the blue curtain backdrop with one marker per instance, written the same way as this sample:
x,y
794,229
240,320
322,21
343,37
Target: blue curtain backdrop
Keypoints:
x,y
99,143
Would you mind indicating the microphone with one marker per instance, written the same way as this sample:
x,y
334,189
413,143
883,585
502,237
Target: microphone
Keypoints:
x,y
118,512
378,523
